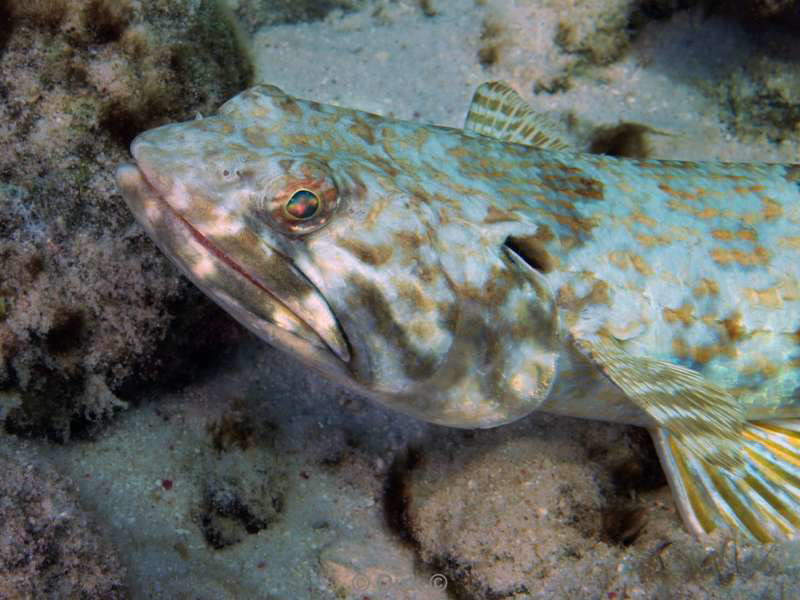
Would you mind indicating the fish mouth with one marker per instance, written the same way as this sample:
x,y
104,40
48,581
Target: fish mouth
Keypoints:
x,y
292,315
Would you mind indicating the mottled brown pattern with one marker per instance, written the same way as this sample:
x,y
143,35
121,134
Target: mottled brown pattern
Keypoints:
x,y
727,235
499,284
789,288
363,130
448,313
641,265
655,165
598,294
496,215
419,138
586,188
214,126
647,241
408,240
684,314
769,297
411,293
706,213
643,219
734,327
378,207
567,298
422,294
371,254
790,241
366,294
764,369
543,233
772,209
287,105
619,259
667,189
726,257
706,287
579,226
255,136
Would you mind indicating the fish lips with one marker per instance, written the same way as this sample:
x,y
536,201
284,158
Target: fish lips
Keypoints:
x,y
284,308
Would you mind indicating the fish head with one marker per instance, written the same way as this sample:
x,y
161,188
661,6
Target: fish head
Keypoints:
x,y
307,224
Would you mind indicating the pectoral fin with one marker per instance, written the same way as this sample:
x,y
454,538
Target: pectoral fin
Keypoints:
x,y
724,471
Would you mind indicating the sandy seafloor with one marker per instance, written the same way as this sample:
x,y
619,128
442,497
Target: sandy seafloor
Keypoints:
x,y
322,458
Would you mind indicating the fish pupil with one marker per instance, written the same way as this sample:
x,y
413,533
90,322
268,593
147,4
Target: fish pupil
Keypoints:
x,y
302,205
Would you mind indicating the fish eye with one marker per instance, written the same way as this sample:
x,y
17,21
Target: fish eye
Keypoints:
x,y
302,204
300,200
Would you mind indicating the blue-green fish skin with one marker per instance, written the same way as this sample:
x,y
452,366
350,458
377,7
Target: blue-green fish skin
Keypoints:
x,y
469,277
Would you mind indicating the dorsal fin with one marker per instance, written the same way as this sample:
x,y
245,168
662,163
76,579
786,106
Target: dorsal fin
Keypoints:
x,y
499,112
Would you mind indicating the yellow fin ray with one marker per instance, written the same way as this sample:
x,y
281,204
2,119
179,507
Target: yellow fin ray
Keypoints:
x,y
761,500
724,470
780,513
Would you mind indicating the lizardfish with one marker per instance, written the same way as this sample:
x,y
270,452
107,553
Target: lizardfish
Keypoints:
x,y
470,276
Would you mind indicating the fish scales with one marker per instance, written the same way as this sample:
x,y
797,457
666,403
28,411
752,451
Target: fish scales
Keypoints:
x,y
468,277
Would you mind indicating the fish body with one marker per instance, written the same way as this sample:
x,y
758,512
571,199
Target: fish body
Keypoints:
x,y
469,277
